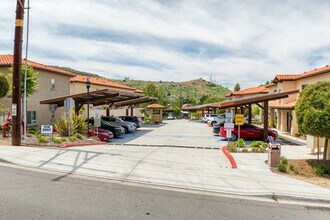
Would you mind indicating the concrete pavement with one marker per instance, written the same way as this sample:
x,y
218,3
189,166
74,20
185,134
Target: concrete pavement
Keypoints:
x,y
189,168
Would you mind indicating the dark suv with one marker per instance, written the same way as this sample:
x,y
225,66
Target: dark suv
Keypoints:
x,y
133,119
116,130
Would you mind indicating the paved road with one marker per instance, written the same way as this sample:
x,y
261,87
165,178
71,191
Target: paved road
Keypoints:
x,y
32,195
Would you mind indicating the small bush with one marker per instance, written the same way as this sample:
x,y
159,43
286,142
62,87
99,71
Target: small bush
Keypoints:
x,y
79,136
291,167
284,161
259,144
255,149
320,170
244,150
32,131
262,150
73,138
281,168
232,149
295,170
63,139
56,140
240,143
41,139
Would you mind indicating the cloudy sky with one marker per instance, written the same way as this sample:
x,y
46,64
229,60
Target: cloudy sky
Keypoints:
x,y
234,41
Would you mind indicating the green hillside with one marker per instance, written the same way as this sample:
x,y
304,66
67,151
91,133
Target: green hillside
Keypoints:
x,y
198,89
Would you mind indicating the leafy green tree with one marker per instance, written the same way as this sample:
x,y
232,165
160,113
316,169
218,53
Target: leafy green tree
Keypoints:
x,y
4,85
213,99
152,90
313,111
237,87
177,111
31,80
255,110
202,99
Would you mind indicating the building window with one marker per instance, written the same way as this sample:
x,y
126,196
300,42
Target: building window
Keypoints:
x,y
304,86
31,117
52,82
274,90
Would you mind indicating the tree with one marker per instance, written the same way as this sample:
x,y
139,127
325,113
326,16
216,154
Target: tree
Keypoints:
x,y
313,111
152,90
255,110
4,85
237,87
202,99
31,81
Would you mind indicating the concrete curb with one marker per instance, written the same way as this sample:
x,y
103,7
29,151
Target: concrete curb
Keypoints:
x,y
81,145
229,157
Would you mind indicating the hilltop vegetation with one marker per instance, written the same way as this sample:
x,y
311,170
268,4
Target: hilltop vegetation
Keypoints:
x,y
194,92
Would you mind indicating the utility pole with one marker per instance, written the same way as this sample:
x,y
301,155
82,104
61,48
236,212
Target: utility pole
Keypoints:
x,y
16,100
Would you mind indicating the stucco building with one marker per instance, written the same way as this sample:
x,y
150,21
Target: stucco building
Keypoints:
x,y
52,82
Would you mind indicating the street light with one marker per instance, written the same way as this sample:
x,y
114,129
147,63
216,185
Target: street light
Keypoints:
x,y
88,86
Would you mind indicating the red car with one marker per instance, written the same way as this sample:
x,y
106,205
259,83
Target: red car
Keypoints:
x,y
104,135
248,131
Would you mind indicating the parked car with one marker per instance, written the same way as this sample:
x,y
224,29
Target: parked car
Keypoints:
x,y
128,126
170,117
207,116
216,128
102,134
216,120
248,131
132,119
116,130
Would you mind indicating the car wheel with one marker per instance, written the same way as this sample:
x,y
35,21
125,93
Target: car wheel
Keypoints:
x,y
233,137
126,130
213,123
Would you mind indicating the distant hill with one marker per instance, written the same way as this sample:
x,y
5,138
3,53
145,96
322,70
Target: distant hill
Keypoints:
x,y
189,89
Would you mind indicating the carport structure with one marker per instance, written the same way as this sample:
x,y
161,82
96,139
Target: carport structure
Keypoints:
x,y
239,104
133,102
101,97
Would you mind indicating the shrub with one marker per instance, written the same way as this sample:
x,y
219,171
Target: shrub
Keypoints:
x,y
295,170
240,143
73,138
232,149
255,149
284,161
63,139
320,170
41,139
259,144
244,150
291,167
79,136
56,140
77,125
80,125
281,168
262,150
32,131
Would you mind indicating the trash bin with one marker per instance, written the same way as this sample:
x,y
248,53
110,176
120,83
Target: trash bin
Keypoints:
x,y
274,154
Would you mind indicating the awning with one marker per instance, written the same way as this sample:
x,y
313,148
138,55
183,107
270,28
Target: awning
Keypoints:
x,y
243,101
135,101
99,97
288,106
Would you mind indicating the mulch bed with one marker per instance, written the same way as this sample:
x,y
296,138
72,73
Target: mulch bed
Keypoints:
x,y
305,172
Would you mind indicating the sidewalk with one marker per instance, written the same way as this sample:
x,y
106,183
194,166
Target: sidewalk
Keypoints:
x,y
196,169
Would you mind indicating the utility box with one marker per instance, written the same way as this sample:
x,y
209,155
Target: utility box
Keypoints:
x,y
274,154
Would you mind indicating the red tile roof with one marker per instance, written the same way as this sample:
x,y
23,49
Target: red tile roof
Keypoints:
x,y
289,105
291,77
155,106
249,91
100,81
8,60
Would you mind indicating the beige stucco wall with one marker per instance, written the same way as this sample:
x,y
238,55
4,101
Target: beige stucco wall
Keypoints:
x,y
156,117
62,88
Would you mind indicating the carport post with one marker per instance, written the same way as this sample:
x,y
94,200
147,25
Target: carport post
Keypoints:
x,y
265,134
127,111
250,114
132,108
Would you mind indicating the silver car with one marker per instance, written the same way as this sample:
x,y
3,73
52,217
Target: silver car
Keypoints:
x,y
128,126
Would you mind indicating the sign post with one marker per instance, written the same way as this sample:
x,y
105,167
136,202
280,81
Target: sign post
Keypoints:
x,y
239,120
97,120
69,104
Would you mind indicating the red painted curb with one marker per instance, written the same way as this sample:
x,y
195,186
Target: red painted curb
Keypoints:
x,y
229,157
81,145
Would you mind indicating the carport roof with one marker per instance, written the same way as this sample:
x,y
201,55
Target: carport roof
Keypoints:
x,y
135,101
99,97
243,101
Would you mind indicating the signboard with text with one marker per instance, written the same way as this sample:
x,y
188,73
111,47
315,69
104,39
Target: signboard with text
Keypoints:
x,y
239,119
229,126
46,129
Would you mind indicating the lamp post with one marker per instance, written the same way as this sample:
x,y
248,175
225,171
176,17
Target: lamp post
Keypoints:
x,y
88,86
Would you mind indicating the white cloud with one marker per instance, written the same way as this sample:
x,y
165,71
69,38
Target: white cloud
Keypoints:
x,y
236,41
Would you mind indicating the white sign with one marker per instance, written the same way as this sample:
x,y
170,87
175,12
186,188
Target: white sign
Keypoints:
x,y
46,129
69,103
229,126
14,109
97,113
228,133
229,115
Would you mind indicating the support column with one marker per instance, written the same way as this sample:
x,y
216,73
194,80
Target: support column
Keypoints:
x,y
279,118
272,117
127,111
242,109
250,114
265,134
132,108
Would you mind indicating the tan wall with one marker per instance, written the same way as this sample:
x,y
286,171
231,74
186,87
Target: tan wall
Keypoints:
x,y
156,117
62,88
